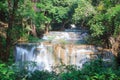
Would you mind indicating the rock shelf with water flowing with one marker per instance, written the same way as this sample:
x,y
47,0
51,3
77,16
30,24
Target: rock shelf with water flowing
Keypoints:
x,y
44,56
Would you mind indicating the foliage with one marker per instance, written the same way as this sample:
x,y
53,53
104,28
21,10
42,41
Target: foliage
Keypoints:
x,y
95,70
6,73
34,39
26,9
42,75
107,23
101,16
113,15
3,10
56,12
83,11
63,41
97,26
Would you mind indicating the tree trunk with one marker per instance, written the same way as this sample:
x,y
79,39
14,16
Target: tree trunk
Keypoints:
x,y
9,36
115,42
46,28
63,26
33,31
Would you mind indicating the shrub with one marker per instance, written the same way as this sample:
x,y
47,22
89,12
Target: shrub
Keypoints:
x,y
95,70
6,73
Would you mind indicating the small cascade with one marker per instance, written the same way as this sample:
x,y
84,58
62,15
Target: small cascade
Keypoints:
x,y
37,53
75,36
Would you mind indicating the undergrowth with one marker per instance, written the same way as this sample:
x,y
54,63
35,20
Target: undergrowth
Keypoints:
x,y
95,70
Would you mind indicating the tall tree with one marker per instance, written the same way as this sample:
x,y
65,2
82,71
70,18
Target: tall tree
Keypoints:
x,y
12,7
55,12
83,12
17,11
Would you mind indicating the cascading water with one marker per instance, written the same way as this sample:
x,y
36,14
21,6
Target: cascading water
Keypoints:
x,y
45,56
69,35
32,52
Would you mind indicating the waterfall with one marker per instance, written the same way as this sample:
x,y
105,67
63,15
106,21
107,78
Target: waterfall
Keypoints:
x,y
45,56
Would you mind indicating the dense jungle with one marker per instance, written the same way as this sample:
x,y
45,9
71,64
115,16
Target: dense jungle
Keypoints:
x,y
28,20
